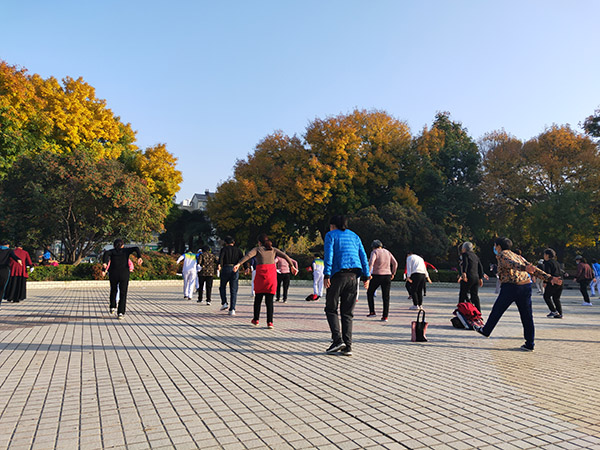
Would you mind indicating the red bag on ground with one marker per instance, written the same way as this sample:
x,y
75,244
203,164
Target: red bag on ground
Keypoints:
x,y
466,315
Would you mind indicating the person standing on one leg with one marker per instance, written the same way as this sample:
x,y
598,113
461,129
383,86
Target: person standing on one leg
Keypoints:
x,y
416,273
514,273
345,260
584,276
207,262
283,277
472,276
552,292
189,272
265,281
382,266
118,273
230,255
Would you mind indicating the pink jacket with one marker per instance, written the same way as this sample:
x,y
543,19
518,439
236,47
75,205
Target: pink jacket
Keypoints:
x,y
382,262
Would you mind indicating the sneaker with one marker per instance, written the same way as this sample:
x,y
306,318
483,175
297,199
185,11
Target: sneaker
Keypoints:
x,y
207,303
551,314
277,300
121,316
270,325
479,330
421,308
284,300
413,307
254,322
224,306
526,349
558,316
347,351
371,314
586,304
335,347
384,319
113,310
232,312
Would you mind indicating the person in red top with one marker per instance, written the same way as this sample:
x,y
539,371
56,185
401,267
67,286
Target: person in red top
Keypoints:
x,y
16,289
6,254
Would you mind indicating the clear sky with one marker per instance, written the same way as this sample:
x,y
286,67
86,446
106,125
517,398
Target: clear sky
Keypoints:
x,y
211,78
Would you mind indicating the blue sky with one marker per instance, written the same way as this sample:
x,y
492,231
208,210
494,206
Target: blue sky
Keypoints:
x,y
210,79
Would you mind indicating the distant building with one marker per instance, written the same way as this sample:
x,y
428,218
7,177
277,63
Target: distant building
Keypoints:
x,y
197,202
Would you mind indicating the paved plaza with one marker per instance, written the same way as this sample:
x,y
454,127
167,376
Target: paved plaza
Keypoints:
x,y
177,374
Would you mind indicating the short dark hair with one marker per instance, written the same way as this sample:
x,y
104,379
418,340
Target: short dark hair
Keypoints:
x,y
118,243
229,240
550,252
3,242
206,248
265,241
504,243
340,222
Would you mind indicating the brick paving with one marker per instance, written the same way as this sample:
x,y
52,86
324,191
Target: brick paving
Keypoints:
x,y
177,374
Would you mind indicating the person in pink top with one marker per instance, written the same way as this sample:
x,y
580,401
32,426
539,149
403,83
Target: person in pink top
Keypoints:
x,y
283,277
382,266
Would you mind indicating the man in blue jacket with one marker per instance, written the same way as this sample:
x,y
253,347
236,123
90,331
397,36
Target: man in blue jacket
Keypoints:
x,y
345,260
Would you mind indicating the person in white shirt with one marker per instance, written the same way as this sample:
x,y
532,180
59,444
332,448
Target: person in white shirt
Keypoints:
x,y
189,272
416,275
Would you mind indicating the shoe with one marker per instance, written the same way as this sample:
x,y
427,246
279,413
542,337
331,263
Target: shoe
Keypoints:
x,y
413,307
335,347
224,307
551,314
270,325
254,322
276,299
586,304
479,330
384,319
526,349
199,301
284,300
113,310
207,303
121,316
347,351
232,312
558,316
371,314
421,308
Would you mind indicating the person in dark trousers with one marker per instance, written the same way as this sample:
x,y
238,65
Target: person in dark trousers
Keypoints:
x,y
472,276
6,254
416,275
118,273
230,255
514,272
208,261
584,276
552,292
283,277
345,260
382,266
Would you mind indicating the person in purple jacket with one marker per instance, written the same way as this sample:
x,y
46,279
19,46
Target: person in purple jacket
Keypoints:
x,y
345,260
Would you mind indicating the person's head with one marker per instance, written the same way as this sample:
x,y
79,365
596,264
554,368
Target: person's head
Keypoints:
x,y
118,243
317,255
19,245
264,240
466,247
205,249
3,243
579,259
229,240
338,222
594,261
502,243
549,254
376,244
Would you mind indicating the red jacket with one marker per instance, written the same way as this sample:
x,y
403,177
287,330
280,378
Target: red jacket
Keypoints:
x,y
18,270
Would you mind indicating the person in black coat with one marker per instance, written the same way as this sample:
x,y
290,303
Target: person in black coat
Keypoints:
x,y
6,254
117,263
472,276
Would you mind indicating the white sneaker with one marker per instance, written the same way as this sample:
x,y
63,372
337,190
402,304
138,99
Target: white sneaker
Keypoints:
x,y
232,312
421,308
586,304
224,307
413,307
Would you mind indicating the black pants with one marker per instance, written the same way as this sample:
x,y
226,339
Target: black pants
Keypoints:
x,y
342,293
283,278
202,280
416,288
469,292
385,281
118,280
4,276
583,288
258,298
552,297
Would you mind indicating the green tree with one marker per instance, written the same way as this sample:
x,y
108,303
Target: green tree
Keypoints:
x,y
76,199
185,228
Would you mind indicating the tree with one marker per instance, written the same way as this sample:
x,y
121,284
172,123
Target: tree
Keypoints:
x,y
591,124
77,199
185,228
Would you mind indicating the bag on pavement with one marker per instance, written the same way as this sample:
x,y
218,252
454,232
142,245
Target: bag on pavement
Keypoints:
x,y
419,328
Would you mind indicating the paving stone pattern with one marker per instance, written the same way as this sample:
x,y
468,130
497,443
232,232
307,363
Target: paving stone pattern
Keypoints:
x,y
178,374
